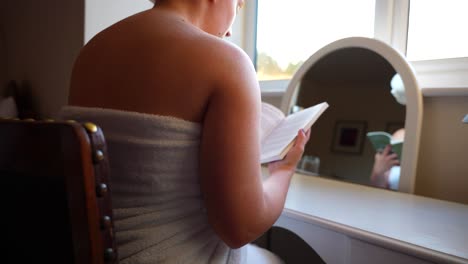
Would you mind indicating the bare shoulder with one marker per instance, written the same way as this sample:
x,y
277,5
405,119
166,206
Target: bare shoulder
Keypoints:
x,y
230,66
231,55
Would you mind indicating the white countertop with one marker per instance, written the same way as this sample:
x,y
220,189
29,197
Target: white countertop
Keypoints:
x,y
397,220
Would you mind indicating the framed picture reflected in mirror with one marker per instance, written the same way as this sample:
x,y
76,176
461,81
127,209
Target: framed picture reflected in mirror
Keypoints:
x,y
349,136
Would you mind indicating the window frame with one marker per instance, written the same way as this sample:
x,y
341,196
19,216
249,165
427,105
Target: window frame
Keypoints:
x,y
435,77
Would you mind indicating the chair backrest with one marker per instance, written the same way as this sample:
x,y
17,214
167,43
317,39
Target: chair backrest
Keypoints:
x,y
56,193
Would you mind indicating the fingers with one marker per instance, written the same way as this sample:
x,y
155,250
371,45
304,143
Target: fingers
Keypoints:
x,y
301,138
393,159
295,153
387,150
307,134
386,161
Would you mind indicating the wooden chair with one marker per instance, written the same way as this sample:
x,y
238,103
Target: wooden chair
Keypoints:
x,y
56,193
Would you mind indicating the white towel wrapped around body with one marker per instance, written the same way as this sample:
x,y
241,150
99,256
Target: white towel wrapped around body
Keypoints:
x,y
158,209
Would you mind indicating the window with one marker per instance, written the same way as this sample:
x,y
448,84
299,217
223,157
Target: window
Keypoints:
x,y
289,32
431,24
281,35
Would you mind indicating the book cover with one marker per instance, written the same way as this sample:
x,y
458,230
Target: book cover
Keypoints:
x,y
279,131
380,139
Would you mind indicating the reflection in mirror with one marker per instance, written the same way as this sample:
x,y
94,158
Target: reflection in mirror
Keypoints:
x,y
356,83
347,67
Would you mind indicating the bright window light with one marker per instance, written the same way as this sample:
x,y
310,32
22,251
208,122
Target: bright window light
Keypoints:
x,y
289,32
437,29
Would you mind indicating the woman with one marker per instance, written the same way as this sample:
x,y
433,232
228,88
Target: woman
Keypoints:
x,y
180,108
386,170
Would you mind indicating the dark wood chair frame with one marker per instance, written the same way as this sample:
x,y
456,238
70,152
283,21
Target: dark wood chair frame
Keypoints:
x,y
56,192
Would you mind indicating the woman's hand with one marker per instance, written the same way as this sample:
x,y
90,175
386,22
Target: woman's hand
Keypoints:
x,y
290,161
383,162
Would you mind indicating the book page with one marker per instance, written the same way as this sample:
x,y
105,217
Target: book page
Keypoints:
x,y
379,139
280,140
398,148
271,117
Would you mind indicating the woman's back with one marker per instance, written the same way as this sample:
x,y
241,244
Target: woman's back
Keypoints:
x,y
135,65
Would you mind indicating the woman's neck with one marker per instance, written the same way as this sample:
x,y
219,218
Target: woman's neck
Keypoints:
x,y
193,11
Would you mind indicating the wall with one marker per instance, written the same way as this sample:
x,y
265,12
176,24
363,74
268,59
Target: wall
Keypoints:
x,y
103,13
443,157
42,39
3,52
3,57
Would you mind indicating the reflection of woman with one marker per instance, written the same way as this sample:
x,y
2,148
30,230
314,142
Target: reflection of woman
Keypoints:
x,y
386,169
180,108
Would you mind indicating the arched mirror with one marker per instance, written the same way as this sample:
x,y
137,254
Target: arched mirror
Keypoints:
x,y
369,87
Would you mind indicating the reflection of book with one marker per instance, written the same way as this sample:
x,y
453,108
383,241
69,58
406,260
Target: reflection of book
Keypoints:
x,y
279,132
380,139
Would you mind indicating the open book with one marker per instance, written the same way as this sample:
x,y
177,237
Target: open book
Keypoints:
x,y
380,139
278,131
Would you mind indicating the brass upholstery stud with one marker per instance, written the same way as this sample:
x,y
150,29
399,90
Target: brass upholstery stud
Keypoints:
x,y
99,155
101,190
109,254
92,128
106,222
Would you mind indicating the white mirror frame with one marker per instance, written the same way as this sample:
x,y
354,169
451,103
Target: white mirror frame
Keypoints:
x,y
414,102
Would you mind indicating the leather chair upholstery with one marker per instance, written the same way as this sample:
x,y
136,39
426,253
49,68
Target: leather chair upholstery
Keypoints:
x,y
56,193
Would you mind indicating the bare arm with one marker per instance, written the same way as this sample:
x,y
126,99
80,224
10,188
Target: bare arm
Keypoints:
x,y
240,206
